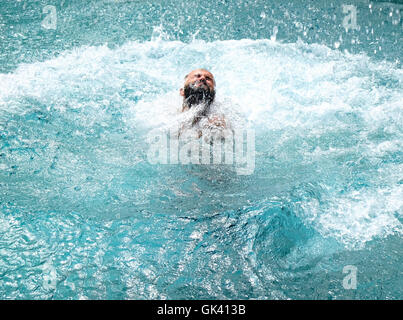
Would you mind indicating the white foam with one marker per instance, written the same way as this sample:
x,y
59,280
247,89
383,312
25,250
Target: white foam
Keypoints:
x,y
307,95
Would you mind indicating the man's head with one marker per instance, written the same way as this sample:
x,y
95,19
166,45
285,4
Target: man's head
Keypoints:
x,y
199,87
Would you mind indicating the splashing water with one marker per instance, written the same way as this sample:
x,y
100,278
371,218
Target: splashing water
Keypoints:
x,y
83,214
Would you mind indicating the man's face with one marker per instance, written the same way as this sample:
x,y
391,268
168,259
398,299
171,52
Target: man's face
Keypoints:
x,y
199,87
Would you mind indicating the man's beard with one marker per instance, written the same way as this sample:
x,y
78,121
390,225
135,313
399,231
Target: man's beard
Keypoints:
x,y
198,95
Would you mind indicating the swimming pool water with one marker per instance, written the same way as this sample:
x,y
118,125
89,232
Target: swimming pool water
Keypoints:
x,y
84,215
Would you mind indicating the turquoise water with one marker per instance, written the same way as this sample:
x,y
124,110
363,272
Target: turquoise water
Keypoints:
x,y
84,215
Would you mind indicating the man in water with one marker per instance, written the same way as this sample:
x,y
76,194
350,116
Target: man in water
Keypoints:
x,y
198,92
